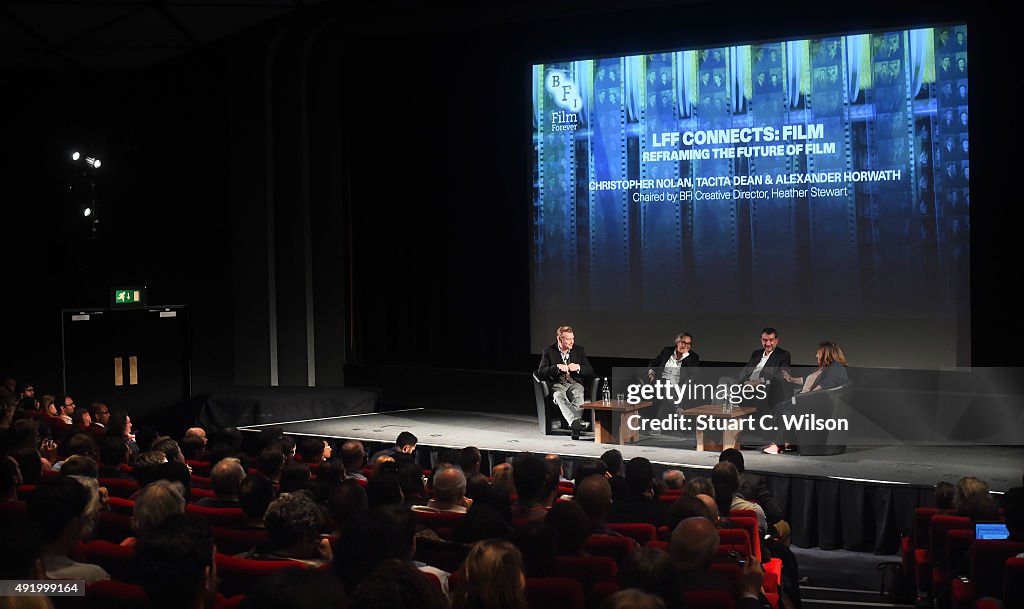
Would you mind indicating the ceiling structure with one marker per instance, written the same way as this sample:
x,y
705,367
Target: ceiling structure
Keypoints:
x,y
84,35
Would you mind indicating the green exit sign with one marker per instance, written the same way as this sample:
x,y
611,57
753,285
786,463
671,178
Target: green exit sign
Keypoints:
x,y
127,296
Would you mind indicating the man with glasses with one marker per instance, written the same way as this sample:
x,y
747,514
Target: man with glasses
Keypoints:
x,y
100,419
675,364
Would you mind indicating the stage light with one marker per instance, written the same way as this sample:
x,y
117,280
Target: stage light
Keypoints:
x,y
93,162
75,156
87,212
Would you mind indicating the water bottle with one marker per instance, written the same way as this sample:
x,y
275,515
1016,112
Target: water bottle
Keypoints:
x,y
606,393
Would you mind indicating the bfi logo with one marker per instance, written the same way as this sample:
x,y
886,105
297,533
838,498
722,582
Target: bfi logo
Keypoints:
x,y
566,96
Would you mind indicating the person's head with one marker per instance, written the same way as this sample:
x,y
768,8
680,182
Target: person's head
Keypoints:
x,y
347,500
613,459
492,577
147,466
226,478
384,489
380,534
571,527
965,488
29,462
396,583
80,465
295,476
67,406
469,460
769,336
980,507
293,524
687,507
712,506
1014,513
254,495
733,456
501,477
10,478
639,476
176,562
828,352
587,468
943,496
961,63
565,337
536,541
694,543
594,495
297,588
81,444
155,503
21,558
168,446
81,419
673,479
271,462
100,413
120,424
196,432
650,570
945,62
311,450
449,485
353,455
683,342
529,473
113,451
62,509
631,598
726,481
406,442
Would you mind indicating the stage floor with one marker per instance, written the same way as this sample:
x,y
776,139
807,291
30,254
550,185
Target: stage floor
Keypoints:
x,y
1000,466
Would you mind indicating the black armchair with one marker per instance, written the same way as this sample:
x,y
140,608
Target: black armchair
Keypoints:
x,y
548,414
824,404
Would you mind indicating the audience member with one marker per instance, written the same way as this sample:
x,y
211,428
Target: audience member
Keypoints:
x,y
155,503
64,509
726,481
226,481
313,451
295,476
943,496
469,460
536,541
529,474
79,465
296,588
501,477
270,462
348,500
293,523
21,560
631,598
492,578
353,456
651,570
113,454
384,489
965,488
176,563
405,443
640,503
689,507
571,527
612,458
673,479
693,546
254,497
449,492
397,583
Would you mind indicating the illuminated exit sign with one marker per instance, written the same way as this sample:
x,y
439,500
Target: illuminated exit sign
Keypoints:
x,y
127,296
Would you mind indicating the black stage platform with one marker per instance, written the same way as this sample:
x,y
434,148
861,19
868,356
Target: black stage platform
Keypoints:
x,y
861,500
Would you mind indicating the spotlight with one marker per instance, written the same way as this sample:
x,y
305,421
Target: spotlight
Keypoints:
x,y
87,212
93,162
75,156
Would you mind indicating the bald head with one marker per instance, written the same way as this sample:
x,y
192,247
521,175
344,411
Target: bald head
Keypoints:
x,y
594,495
197,432
709,502
449,485
674,479
694,542
226,478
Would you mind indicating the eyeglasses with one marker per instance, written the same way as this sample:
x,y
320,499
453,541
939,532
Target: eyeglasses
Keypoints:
x,y
685,342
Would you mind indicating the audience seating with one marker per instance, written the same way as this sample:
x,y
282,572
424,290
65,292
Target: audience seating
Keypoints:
x,y
199,493
116,559
121,506
200,481
614,547
239,575
641,532
554,593
987,575
105,594
12,507
114,527
926,558
437,520
441,554
1013,582
199,468
588,570
235,541
225,517
119,487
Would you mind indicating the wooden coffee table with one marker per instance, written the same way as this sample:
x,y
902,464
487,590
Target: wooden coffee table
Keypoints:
x,y
730,438
610,421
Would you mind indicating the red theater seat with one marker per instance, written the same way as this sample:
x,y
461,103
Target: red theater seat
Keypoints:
x,y
554,593
119,487
1013,582
235,541
106,594
641,532
588,570
239,575
224,517
116,559
120,505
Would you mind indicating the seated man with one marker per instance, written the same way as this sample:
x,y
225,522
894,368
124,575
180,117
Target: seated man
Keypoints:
x,y
692,548
449,492
293,523
226,480
176,561
64,509
563,366
675,364
405,443
764,368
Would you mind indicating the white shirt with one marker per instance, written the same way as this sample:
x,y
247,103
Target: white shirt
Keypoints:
x,y
756,374
62,567
672,366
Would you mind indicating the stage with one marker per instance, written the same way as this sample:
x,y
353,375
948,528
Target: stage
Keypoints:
x,y
860,500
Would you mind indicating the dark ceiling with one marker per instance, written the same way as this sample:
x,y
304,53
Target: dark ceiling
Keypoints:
x,y
47,35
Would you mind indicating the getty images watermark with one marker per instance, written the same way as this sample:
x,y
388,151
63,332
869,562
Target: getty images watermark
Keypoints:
x,y
723,393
